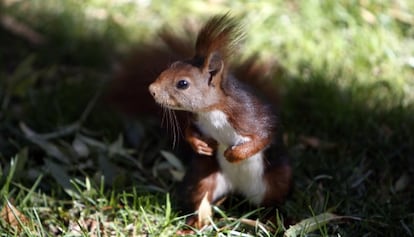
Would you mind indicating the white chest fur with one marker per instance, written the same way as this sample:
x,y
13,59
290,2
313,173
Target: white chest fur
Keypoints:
x,y
216,125
245,177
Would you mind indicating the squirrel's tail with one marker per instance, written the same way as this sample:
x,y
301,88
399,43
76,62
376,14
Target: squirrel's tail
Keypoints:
x,y
128,91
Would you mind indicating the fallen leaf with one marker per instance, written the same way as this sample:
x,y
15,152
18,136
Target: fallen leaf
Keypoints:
x,y
256,223
50,148
310,141
185,232
316,143
386,131
204,212
176,167
22,30
368,16
173,160
177,175
402,183
60,174
310,224
80,147
402,16
12,216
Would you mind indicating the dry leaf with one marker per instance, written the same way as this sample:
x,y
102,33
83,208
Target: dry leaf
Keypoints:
x,y
176,168
316,143
402,183
386,131
173,160
12,216
204,212
256,223
185,232
402,16
177,175
80,147
310,224
310,141
22,30
368,16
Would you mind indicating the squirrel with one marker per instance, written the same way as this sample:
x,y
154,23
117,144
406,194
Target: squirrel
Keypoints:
x,y
235,133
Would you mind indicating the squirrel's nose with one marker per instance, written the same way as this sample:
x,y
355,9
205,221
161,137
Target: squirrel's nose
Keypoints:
x,y
152,89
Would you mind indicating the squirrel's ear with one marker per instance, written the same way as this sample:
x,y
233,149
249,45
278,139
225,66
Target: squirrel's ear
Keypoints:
x,y
213,64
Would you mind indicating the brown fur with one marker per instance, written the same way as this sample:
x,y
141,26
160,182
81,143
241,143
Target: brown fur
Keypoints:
x,y
199,180
279,181
221,34
128,91
212,87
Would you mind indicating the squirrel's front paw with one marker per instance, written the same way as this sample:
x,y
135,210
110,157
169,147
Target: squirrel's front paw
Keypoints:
x,y
233,154
201,147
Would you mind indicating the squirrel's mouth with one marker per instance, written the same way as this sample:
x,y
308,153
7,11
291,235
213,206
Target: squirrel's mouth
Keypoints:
x,y
166,101
169,104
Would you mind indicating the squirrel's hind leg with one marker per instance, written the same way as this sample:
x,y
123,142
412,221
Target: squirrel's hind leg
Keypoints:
x,y
279,182
203,180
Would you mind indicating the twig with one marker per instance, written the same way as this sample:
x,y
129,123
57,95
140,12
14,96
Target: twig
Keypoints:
x,y
22,30
402,16
71,128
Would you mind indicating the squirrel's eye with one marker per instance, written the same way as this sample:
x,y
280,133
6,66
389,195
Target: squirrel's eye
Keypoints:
x,y
182,84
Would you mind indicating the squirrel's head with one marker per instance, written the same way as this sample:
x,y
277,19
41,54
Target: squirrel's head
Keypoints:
x,y
196,85
193,85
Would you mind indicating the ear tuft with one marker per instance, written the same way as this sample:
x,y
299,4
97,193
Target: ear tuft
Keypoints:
x,y
214,63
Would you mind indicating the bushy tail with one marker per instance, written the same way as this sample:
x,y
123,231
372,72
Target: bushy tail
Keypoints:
x,y
129,89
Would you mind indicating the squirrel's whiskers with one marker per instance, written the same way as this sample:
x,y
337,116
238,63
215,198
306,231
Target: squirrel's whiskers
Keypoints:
x,y
170,121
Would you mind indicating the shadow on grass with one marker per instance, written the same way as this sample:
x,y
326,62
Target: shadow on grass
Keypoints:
x,y
353,153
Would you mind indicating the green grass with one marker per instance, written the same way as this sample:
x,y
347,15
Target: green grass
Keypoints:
x,y
72,166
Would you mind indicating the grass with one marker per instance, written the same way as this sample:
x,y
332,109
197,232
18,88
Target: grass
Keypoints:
x,y
72,166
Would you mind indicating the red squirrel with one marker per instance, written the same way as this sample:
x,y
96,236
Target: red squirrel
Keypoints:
x,y
235,133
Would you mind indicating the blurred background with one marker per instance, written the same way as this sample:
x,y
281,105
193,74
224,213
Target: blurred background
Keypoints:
x,y
344,69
